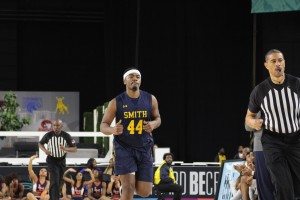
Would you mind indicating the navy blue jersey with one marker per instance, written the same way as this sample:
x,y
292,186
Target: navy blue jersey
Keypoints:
x,y
133,112
279,104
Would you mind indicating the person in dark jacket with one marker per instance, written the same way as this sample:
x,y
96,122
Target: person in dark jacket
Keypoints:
x,y
164,178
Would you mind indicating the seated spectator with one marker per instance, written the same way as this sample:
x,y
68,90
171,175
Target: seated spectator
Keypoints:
x,y
114,188
220,156
91,164
235,188
264,184
3,189
247,184
79,184
164,178
15,189
110,169
108,172
239,153
97,189
40,183
246,151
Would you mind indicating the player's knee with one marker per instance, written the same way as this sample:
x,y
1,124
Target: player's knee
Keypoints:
x,y
143,192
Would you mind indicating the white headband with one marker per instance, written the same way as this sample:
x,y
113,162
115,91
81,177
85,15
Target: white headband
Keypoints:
x,y
131,72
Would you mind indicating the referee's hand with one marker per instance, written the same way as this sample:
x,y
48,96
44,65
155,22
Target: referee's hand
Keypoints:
x,y
62,147
47,152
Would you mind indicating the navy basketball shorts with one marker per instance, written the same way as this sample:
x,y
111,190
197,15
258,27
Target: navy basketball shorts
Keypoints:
x,y
129,160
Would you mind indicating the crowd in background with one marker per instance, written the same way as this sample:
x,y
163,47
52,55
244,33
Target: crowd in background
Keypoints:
x,y
88,183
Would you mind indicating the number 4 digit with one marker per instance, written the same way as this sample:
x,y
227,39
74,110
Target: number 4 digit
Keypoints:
x,y
139,127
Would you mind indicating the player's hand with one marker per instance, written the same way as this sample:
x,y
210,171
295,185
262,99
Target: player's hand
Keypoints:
x,y
148,126
118,128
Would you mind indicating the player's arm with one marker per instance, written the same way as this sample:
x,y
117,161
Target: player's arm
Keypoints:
x,y
149,126
155,113
107,119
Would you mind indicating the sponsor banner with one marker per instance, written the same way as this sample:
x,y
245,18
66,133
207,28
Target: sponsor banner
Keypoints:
x,y
228,177
198,182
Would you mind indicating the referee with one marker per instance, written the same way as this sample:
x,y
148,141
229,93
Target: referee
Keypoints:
x,y
277,97
58,143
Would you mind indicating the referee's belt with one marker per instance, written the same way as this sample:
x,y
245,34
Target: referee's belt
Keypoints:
x,y
57,158
288,137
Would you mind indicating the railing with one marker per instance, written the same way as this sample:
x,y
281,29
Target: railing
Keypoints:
x,y
42,156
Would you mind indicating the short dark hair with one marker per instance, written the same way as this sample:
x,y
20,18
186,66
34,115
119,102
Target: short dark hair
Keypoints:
x,y
168,154
272,51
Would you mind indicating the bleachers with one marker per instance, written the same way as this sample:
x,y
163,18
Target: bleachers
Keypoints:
x,y
84,153
26,149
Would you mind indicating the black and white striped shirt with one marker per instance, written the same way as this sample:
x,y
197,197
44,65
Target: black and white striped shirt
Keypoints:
x,y
278,103
53,143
